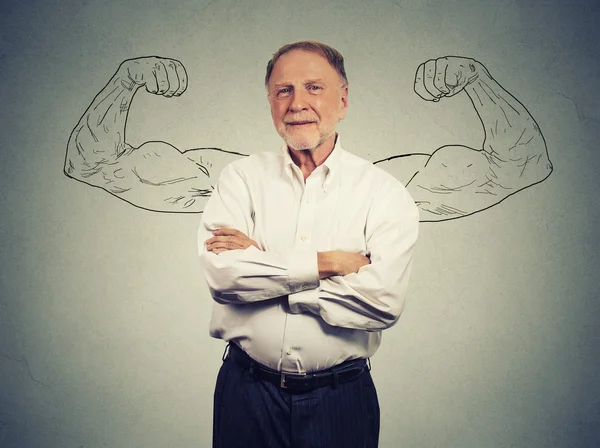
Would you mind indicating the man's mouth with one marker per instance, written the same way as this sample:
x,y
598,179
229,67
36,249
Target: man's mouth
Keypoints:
x,y
299,123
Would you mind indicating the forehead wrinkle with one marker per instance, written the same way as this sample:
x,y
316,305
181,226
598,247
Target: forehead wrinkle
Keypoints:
x,y
308,81
315,81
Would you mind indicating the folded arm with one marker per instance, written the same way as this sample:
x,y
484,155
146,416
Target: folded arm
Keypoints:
x,y
372,297
344,289
243,273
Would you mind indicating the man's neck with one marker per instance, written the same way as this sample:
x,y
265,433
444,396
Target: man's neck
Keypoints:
x,y
308,160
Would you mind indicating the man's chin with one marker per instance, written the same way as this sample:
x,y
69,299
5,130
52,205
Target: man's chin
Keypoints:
x,y
301,145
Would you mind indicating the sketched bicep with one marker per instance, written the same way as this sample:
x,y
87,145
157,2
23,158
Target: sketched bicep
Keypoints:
x,y
452,169
457,181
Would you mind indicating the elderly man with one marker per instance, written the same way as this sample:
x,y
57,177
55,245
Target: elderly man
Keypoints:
x,y
307,253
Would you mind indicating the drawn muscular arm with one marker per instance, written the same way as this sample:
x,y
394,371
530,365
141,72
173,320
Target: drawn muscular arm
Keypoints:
x,y
456,180
156,175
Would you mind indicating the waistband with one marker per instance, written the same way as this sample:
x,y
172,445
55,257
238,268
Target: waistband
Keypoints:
x,y
302,382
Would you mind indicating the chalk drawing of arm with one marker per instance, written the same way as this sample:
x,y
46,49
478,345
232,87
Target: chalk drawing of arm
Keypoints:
x,y
456,180
155,176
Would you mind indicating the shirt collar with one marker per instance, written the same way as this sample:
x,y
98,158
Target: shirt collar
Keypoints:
x,y
331,165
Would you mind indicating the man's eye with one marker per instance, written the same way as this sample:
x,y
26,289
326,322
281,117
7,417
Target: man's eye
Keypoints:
x,y
314,88
284,91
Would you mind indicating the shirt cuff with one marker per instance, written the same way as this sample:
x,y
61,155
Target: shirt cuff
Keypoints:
x,y
304,301
303,271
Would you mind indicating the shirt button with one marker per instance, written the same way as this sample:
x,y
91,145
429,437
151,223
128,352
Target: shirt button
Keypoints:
x,y
289,351
304,287
303,238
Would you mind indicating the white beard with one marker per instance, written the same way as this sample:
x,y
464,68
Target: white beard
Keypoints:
x,y
304,141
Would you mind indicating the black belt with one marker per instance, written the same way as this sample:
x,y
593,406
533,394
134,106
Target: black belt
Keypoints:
x,y
342,373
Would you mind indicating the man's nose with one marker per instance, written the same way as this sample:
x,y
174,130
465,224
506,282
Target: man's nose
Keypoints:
x,y
299,100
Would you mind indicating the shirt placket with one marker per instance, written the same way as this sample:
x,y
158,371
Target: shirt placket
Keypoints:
x,y
306,217
303,241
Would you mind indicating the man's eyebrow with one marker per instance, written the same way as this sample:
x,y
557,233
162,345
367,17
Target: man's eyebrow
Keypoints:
x,y
282,84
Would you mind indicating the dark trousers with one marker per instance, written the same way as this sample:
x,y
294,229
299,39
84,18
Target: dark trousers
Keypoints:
x,y
252,413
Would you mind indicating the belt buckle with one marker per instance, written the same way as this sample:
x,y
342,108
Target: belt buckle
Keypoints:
x,y
284,375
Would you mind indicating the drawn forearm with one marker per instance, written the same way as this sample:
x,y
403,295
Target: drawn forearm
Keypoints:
x,y
98,138
513,140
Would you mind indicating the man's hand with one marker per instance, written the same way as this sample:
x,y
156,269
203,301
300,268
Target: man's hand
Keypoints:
x,y
338,262
161,76
228,239
445,77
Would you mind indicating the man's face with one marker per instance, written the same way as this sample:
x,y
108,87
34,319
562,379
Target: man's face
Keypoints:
x,y
307,99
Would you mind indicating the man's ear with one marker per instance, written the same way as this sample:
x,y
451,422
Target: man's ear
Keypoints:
x,y
344,101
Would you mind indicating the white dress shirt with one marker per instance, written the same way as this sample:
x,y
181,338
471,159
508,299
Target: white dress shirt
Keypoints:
x,y
271,301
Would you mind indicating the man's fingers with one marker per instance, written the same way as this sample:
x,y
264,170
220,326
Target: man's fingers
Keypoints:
x,y
221,239
227,242
228,232
360,261
223,245
228,239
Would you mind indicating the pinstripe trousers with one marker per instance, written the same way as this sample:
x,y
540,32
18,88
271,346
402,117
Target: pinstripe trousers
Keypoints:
x,y
250,413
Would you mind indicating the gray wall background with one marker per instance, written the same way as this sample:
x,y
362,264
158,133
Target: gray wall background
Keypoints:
x,y
103,308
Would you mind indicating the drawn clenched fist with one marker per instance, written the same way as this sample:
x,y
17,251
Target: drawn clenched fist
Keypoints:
x,y
161,76
445,77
